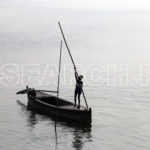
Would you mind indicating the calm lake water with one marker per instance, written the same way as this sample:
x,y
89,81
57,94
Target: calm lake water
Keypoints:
x,y
111,50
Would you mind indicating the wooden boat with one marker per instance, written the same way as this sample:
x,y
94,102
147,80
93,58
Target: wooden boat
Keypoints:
x,y
53,105
50,105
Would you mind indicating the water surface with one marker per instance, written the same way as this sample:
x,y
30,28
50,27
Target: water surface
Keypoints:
x,y
98,38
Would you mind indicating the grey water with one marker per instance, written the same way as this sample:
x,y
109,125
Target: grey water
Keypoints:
x,y
111,50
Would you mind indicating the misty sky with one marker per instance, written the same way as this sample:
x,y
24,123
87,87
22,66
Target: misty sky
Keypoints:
x,y
86,4
104,4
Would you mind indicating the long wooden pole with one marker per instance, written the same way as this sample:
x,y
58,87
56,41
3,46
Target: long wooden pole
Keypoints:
x,y
66,44
84,98
71,58
59,70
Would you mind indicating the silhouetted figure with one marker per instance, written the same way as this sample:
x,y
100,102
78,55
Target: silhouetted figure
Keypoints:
x,y
78,89
32,92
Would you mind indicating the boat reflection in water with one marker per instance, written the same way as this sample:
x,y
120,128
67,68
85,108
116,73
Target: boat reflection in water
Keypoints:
x,y
79,131
78,137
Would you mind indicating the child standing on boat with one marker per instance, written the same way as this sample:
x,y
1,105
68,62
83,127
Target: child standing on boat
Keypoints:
x,y
78,89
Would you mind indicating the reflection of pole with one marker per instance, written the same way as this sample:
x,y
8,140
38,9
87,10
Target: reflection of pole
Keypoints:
x,y
55,137
59,70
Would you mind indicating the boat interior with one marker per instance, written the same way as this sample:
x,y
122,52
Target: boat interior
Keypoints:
x,y
47,98
54,101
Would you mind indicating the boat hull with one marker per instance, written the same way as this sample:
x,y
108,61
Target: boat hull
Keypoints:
x,y
66,110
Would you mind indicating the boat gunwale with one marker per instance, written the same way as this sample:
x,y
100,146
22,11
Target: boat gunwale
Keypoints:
x,y
57,107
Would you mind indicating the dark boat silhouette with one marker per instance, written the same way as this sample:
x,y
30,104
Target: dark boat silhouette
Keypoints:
x,y
48,104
